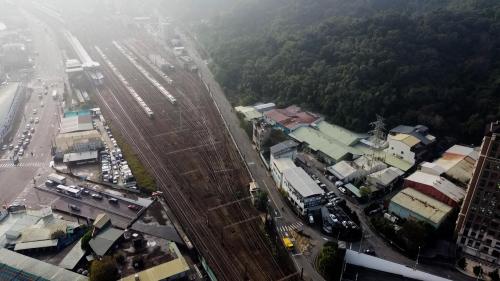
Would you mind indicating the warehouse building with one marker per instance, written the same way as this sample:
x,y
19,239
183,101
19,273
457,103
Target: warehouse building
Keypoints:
x,y
304,194
77,142
76,123
348,171
174,269
14,266
291,118
385,179
457,163
436,187
331,143
412,204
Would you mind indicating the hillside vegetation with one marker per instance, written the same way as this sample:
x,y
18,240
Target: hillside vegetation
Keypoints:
x,y
429,62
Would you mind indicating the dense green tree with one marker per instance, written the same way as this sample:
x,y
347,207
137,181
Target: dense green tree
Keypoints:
x,y
462,263
261,201
103,270
330,261
478,270
86,239
430,62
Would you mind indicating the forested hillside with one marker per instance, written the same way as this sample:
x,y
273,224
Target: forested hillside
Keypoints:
x,y
430,62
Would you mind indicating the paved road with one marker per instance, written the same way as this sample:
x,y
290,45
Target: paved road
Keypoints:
x,y
35,161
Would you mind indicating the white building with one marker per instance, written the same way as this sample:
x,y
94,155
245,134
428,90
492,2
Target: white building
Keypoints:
x,y
304,194
348,171
409,143
278,166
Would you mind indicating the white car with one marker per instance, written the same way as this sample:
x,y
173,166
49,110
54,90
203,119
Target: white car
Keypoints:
x,y
341,189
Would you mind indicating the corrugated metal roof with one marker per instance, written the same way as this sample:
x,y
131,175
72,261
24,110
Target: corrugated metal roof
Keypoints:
x,y
286,145
38,268
80,156
367,261
283,164
302,182
104,240
73,257
76,124
318,141
249,112
458,162
35,245
342,170
165,270
385,176
353,189
69,140
439,183
265,107
421,204
341,134
101,220
409,140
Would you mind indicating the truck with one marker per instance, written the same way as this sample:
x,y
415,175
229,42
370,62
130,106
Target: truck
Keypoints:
x,y
288,243
54,94
57,178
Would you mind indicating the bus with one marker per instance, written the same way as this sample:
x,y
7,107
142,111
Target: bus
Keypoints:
x,y
69,190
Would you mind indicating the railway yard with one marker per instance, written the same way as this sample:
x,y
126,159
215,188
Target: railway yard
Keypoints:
x,y
186,147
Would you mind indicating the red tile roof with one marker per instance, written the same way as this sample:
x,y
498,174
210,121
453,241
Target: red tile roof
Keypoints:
x,y
291,116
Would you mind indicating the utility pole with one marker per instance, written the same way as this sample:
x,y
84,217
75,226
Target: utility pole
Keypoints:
x,y
416,262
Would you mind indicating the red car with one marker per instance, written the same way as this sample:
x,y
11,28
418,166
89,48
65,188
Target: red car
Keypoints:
x,y
133,207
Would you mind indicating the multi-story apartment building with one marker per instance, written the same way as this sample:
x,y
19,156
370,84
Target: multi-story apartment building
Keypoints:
x,y
478,224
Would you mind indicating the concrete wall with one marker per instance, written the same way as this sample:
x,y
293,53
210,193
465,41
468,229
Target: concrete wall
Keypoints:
x,y
396,147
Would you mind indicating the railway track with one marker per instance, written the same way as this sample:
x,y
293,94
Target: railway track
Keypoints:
x,y
215,151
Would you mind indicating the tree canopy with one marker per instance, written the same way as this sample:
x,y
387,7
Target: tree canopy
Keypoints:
x,y
414,62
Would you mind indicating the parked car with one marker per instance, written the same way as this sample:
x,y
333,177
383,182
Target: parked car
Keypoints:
x,y
97,196
113,200
74,208
339,183
343,190
133,207
4,147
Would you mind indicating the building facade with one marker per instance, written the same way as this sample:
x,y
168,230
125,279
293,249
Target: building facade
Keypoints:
x,y
302,192
411,144
478,224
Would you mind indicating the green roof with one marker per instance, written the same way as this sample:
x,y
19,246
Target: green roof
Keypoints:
x,y
353,189
340,134
332,140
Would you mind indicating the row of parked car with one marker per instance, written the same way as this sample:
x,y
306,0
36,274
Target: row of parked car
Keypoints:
x,y
24,138
113,165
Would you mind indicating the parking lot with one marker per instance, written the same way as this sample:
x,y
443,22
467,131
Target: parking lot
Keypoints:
x,y
114,168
